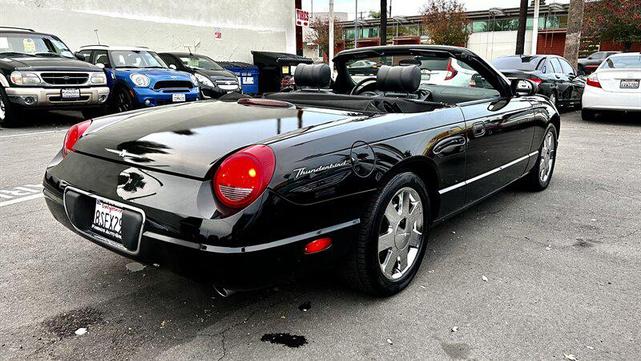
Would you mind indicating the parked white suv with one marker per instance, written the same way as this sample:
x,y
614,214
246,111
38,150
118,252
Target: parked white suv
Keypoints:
x,y
614,86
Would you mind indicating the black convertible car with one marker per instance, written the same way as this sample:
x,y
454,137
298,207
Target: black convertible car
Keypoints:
x,y
354,174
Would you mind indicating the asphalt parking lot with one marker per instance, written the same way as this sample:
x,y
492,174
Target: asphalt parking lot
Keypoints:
x,y
523,276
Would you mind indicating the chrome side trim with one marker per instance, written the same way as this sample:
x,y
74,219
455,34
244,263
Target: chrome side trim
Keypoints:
x,y
481,176
97,237
254,248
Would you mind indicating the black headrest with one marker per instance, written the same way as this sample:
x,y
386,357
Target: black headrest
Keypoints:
x,y
312,75
401,79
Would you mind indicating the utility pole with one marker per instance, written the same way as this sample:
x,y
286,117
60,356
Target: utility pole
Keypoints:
x,y
355,24
573,36
383,29
331,35
520,35
535,26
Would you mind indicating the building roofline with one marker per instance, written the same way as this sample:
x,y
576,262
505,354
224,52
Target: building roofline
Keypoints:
x,y
471,15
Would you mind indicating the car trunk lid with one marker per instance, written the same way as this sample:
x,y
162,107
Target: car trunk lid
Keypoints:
x,y
620,80
188,139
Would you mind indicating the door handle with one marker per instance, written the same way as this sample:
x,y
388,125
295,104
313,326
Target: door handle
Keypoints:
x,y
478,129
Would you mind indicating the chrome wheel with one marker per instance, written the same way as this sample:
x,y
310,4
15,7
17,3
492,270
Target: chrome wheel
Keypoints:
x,y
3,111
553,99
547,157
401,233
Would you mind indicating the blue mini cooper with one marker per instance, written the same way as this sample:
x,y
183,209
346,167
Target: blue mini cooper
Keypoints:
x,y
139,78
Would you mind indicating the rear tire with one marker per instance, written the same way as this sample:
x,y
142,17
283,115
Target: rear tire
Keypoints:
x,y
9,115
392,238
587,114
540,176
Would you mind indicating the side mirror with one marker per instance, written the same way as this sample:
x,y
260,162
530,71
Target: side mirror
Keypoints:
x,y
100,65
523,87
172,66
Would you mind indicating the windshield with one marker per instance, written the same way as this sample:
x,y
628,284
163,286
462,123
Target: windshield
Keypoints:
x,y
136,59
32,45
200,62
527,63
622,62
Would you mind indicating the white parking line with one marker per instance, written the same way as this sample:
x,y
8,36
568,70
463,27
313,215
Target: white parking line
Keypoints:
x,y
34,133
21,199
19,194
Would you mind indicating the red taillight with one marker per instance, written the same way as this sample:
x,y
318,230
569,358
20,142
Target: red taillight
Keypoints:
x,y
244,175
73,134
593,80
318,245
451,72
535,80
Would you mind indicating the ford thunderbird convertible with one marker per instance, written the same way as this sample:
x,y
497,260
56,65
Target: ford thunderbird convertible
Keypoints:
x,y
350,171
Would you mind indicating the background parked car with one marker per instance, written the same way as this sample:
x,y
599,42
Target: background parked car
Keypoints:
x,y
213,80
38,72
140,78
555,77
589,64
614,86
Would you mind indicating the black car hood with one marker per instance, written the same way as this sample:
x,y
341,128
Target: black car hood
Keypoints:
x,y
216,73
47,63
187,139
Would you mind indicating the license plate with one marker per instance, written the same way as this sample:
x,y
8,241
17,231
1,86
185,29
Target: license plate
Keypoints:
x,y
177,98
107,220
70,93
629,84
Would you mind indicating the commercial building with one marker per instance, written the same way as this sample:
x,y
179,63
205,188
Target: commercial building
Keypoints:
x,y
224,30
492,32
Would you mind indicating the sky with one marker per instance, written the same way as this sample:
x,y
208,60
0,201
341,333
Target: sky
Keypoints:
x,y
406,7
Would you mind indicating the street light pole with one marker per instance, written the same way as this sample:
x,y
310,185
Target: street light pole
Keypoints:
x,y
331,35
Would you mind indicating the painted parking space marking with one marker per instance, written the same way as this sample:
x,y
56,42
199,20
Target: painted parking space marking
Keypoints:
x,y
32,133
23,193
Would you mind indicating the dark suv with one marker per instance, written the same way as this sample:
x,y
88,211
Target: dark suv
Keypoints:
x,y
39,72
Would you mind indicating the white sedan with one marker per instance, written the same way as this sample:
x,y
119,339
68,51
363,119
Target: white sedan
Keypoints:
x,y
614,86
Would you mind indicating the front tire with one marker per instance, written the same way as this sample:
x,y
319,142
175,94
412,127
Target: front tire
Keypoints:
x,y
8,113
391,242
540,176
123,101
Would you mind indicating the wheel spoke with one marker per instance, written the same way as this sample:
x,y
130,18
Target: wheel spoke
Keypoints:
x,y
386,241
402,259
390,262
405,204
392,215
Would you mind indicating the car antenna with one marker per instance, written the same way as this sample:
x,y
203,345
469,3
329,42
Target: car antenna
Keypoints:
x,y
97,37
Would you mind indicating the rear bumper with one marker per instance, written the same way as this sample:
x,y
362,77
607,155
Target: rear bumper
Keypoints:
x,y
39,98
599,99
244,264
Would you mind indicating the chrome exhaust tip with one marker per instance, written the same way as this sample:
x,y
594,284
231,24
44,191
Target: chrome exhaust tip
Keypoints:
x,y
223,292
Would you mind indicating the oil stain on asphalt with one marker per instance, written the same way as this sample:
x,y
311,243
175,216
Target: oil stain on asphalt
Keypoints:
x,y
65,324
284,339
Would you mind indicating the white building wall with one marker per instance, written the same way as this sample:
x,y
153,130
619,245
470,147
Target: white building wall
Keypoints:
x,y
499,43
163,25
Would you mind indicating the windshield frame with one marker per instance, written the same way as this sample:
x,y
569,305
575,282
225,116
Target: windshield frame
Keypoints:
x,y
54,45
153,54
217,66
606,66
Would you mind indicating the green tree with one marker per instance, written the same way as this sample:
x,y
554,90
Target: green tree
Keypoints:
x,y
445,22
613,20
320,35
